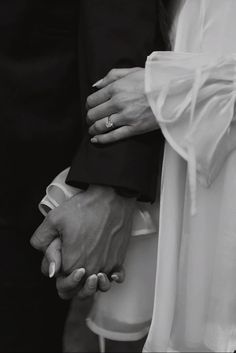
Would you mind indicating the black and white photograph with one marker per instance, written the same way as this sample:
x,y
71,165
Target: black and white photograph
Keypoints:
x,y
117,176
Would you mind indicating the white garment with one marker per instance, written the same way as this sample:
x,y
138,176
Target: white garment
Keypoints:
x,y
123,313
192,92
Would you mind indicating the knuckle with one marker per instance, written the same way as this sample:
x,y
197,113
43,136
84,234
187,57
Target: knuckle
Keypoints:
x,y
128,115
36,242
89,117
111,89
115,87
112,73
63,296
116,102
89,101
96,127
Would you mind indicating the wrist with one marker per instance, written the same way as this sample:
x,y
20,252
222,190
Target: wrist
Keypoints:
x,y
101,189
126,193
108,192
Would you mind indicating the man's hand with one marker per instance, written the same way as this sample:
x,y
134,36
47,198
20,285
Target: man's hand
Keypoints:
x,y
94,227
75,283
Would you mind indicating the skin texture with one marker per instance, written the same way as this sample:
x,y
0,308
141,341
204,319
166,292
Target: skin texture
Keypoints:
x,y
93,229
120,96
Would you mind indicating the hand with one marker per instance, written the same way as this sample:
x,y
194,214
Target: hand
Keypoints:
x,y
122,98
95,228
74,284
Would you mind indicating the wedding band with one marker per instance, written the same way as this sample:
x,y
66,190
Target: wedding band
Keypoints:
x,y
109,124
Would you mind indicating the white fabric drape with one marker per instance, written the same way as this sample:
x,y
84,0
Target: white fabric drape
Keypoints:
x,y
192,92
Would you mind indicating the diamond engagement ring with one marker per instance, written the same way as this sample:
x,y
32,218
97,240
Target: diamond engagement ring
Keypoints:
x,y
109,124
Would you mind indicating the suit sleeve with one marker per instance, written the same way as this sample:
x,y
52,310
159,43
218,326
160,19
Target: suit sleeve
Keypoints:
x,y
116,34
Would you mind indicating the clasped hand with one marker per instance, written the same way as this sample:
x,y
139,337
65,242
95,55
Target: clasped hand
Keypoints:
x,y
85,240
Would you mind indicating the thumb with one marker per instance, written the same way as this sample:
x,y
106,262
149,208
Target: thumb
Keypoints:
x,y
44,235
51,264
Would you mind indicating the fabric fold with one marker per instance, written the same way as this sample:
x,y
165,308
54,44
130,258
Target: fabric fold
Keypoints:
x,y
193,97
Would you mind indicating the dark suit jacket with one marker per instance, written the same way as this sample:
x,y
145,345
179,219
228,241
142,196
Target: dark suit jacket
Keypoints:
x,y
51,52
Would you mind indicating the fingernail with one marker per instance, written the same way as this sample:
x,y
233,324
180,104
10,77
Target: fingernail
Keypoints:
x,y
94,140
52,269
115,278
101,277
79,274
98,83
92,281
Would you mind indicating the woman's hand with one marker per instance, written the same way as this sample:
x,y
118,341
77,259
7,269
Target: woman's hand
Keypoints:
x,y
120,108
77,283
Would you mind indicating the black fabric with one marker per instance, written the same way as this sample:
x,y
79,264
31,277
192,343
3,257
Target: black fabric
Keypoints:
x,y
40,125
51,51
131,165
114,34
32,316
38,116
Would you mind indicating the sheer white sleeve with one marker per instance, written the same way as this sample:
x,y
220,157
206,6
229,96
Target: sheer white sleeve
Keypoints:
x,y
193,98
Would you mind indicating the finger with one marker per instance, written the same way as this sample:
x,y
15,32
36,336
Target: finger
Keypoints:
x,y
68,295
44,235
45,267
53,256
101,111
89,288
118,276
71,282
100,126
103,282
99,97
113,136
114,75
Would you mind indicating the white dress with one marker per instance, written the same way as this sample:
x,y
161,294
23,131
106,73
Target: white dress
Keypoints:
x,y
192,92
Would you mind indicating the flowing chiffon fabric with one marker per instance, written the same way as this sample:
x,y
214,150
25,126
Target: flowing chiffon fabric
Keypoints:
x,y
192,92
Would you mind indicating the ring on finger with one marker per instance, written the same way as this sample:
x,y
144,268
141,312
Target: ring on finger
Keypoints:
x,y
109,123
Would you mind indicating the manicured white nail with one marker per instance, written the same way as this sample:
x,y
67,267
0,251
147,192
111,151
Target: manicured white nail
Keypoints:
x,y
79,274
98,83
52,269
